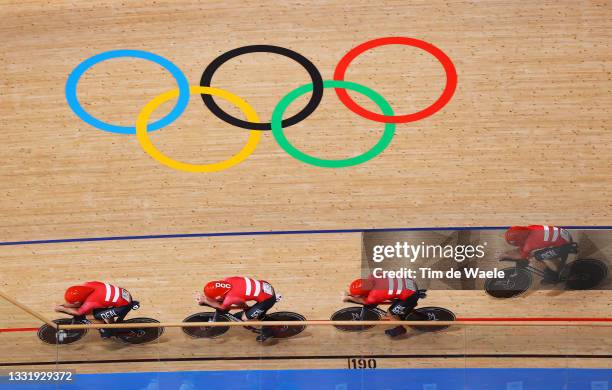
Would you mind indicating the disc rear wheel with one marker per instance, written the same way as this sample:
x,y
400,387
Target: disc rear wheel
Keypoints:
x,y
585,274
514,283
139,335
208,332
430,314
354,313
285,331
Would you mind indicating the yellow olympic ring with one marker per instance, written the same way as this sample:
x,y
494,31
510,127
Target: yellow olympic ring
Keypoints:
x,y
147,146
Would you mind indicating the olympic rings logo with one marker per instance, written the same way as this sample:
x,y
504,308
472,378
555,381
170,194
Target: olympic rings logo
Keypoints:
x,y
252,122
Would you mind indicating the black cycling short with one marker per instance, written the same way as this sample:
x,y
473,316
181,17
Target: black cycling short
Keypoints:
x,y
557,252
403,308
112,312
259,309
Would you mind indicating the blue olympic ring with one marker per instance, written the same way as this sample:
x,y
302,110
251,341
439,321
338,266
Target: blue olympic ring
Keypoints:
x,y
73,79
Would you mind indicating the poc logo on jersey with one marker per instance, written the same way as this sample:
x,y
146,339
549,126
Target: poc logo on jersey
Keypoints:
x,y
224,285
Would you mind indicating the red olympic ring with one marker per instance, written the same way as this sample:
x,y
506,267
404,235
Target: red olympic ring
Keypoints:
x,y
447,93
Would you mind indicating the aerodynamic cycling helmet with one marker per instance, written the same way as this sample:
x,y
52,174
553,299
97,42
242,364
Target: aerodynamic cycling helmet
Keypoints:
x,y
217,289
360,287
517,235
77,294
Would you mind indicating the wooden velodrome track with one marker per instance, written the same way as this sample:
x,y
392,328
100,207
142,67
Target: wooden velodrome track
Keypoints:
x,y
525,139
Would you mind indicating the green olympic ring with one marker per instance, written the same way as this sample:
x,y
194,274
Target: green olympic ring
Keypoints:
x,y
283,142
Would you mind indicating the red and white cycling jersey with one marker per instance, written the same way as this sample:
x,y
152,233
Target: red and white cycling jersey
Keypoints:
x,y
246,289
389,289
104,295
541,236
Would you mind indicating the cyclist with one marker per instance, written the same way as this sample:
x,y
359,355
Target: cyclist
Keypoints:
x,y
234,293
403,294
545,243
99,302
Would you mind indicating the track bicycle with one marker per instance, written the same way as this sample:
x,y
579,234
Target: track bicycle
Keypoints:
x,y
278,331
375,313
51,335
581,274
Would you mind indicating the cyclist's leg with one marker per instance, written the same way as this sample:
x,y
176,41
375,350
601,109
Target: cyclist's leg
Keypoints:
x,y
552,270
93,319
239,315
397,311
400,309
122,311
554,260
258,312
101,316
552,264
411,303
108,316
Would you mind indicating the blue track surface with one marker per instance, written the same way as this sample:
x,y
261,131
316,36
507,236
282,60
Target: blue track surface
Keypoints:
x,y
383,379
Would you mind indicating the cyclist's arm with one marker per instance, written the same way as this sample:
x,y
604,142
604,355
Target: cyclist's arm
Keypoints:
x,y
515,254
232,302
67,310
87,308
242,305
205,301
358,300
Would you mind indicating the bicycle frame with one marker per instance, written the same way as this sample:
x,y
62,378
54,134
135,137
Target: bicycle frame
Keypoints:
x,y
532,269
376,309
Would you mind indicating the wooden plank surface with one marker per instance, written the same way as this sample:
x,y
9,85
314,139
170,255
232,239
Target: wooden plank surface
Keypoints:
x,y
525,139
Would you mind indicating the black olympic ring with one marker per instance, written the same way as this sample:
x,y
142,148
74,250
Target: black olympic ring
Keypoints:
x,y
315,99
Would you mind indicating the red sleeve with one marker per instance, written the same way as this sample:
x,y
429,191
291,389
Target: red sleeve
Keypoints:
x,y
229,301
372,298
86,308
527,247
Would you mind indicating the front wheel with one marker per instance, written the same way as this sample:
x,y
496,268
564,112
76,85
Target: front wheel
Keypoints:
x,y
284,331
514,283
207,332
585,274
139,335
430,314
355,313
51,335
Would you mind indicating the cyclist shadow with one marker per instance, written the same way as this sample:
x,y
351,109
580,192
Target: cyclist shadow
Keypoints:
x,y
413,334
550,292
114,344
272,341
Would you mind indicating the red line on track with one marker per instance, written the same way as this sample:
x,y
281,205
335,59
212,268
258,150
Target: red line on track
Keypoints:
x,y
551,319
18,330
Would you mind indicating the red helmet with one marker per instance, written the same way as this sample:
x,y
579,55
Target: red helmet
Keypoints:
x,y
77,294
517,235
360,287
217,289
